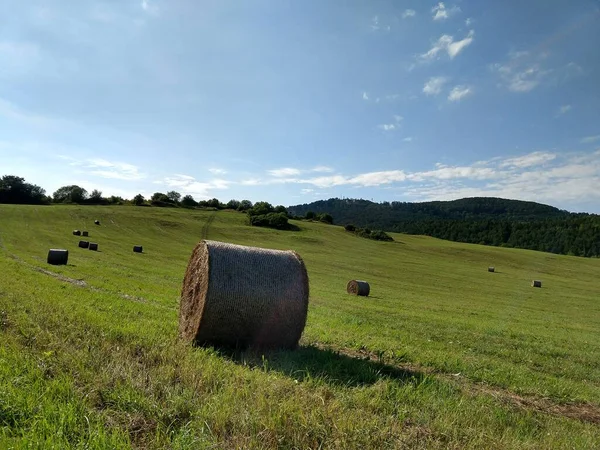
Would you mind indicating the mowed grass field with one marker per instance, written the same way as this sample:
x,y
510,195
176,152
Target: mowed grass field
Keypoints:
x,y
442,354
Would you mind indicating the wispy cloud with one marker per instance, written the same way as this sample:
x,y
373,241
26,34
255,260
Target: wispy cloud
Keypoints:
x,y
523,71
149,7
531,159
365,96
469,21
284,172
590,139
447,44
408,139
440,12
387,126
434,85
563,110
409,13
217,171
459,92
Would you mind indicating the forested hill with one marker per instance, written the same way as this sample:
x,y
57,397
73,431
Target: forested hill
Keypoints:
x,y
480,220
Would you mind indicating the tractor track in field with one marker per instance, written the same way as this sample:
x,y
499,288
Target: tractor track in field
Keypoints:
x,y
206,227
581,411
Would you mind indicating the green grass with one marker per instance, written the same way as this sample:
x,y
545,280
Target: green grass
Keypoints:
x,y
442,355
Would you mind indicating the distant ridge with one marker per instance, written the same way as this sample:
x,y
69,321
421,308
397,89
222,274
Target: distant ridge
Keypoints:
x,y
480,220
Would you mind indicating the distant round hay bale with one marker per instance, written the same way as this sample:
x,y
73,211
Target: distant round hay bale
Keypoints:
x,y
84,233
84,244
93,246
241,296
97,222
138,249
358,287
58,256
491,269
76,233
536,283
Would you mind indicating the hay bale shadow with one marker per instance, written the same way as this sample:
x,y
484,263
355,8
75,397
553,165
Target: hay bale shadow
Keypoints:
x,y
308,363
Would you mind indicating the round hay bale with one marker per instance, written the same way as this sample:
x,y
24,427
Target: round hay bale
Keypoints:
x,y
138,249
58,256
93,246
97,222
536,283
84,244
84,233
491,269
358,287
239,296
76,233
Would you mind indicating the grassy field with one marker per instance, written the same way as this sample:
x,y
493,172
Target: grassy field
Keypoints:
x,y
442,355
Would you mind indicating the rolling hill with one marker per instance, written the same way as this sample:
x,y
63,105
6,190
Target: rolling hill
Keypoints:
x,y
442,354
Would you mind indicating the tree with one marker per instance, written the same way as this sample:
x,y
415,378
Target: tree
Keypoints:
x,y
14,189
70,194
188,201
310,215
138,200
325,218
281,209
233,204
245,205
261,208
96,196
159,197
174,196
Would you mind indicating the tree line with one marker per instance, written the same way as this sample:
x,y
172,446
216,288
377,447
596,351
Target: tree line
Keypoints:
x,y
478,220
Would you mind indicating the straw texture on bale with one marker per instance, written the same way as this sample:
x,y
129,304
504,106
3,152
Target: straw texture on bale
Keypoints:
x,y
93,246
76,233
58,256
138,249
84,233
243,296
536,283
491,269
84,244
358,287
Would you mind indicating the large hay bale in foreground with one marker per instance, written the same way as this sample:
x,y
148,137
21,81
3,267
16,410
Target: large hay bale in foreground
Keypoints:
x,y
491,269
358,287
536,283
243,296
58,256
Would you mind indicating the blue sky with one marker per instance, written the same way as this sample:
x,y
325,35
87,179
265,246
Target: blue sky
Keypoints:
x,y
294,101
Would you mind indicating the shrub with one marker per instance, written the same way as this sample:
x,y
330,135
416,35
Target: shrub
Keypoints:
x,y
350,227
325,218
278,221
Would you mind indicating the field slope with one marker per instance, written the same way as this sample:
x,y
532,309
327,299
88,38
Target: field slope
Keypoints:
x,y
442,355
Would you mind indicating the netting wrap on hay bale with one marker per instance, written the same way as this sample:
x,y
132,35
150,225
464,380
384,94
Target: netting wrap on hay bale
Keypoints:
x,y
243,296
358,287
536,283
58,256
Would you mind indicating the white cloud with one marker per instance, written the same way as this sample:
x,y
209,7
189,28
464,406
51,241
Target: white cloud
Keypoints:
x,y
186,184
387,126
563,110
459,92
469,21
440,12
321,169
434,85
365,96
590,139
307,191
115,170
398,118
284,172
409,13
217,171
446,43
408,139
